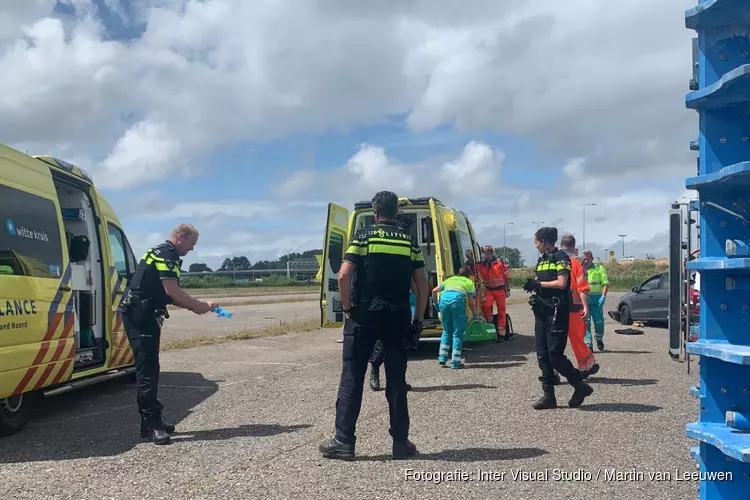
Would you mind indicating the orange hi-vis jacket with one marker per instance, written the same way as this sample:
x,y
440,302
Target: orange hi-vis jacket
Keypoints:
x,y
578,283
494,274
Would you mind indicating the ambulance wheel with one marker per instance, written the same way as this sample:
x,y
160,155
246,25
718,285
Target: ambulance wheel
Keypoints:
x,y
15,411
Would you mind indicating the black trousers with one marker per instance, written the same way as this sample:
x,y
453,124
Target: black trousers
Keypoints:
x,y
145,339
360,335
378,354
551,339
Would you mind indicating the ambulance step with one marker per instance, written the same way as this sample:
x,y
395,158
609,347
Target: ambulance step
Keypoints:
x,y
85,382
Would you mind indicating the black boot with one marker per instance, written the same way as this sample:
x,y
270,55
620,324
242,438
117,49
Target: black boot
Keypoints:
x,y
335,449
582,391
546,402
168,428
403,449
375,379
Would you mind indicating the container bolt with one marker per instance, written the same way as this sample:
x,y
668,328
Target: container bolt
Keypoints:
x,y
724,390
723,223
746,392
745,138
723,57
747,223
746,54
724,307
723,140
745,476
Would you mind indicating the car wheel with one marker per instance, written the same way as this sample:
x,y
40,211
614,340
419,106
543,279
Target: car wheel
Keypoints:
x,y
625,318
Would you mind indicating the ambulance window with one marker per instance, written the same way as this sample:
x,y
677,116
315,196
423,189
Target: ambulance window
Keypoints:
x,y
30,243
122,255
455,251
335,251
467,247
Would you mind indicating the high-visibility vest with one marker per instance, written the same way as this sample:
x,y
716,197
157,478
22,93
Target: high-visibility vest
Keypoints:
x,y
597,277
493,274
578,283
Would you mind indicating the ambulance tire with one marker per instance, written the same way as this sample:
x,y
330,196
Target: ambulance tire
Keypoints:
x,y
15,411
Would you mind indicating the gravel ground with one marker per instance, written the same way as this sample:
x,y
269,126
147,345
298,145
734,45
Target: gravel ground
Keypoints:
x,y
251,414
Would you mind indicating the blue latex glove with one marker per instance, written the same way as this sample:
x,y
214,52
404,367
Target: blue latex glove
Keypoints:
x,y
221,312
601,300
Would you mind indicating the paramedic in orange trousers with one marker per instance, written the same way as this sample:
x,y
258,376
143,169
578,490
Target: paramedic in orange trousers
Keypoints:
x,y
496,281
579,311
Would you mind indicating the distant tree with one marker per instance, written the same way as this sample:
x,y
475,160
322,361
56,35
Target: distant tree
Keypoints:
x,y
235,263
198,267
511,256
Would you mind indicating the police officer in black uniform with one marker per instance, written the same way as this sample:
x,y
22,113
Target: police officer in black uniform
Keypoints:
x,y
374,282
155,284
551,303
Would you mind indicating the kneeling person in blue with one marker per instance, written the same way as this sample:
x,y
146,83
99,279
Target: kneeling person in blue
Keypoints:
x,y
457,291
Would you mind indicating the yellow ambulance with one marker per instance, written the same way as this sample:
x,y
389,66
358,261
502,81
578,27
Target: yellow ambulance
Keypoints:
x,y
64,265
445,237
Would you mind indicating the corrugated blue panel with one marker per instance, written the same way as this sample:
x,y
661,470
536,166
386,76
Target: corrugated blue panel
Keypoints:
x,y
731,443
722,99
733,176
720,349
731,90
713,13
719,264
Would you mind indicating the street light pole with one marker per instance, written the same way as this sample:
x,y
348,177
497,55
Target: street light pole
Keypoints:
x,y
505,247
537,224
623,244
584,222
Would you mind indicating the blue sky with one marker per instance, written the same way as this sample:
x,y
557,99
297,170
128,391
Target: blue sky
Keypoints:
x,y
246,119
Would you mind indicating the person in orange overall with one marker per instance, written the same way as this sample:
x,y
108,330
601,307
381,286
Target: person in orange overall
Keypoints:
x,y
495,277
587,364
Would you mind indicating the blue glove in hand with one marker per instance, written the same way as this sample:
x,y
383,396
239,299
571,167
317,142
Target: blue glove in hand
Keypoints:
x,y
601,300
221,312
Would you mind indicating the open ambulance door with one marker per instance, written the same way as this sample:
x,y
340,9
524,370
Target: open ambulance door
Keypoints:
x,y
440,241
334,247
435,240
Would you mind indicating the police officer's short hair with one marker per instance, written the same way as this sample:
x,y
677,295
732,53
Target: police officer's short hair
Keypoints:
x,y
385,204
184,230
547,235
568,241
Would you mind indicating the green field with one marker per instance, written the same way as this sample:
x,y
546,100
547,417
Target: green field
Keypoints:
x,y
622,277
199,282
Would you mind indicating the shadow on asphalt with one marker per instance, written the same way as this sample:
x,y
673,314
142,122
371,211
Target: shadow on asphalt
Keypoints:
x,y
608,351
491,365
100,420
251,430
457,387
625,382
468,455
620,407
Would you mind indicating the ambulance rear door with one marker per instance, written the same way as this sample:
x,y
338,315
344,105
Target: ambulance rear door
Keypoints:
x,y
334,245
439,239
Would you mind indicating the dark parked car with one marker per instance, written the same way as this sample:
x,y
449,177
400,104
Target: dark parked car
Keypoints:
x,y
648,301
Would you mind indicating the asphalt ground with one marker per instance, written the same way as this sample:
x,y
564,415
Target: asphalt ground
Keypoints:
x,y
250,416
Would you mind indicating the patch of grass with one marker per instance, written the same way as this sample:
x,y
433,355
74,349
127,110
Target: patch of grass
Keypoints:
x,y
227,282
252,292
261,302
282,328
622,277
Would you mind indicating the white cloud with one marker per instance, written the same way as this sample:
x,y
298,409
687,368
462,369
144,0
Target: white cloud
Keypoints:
x,y
569,77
